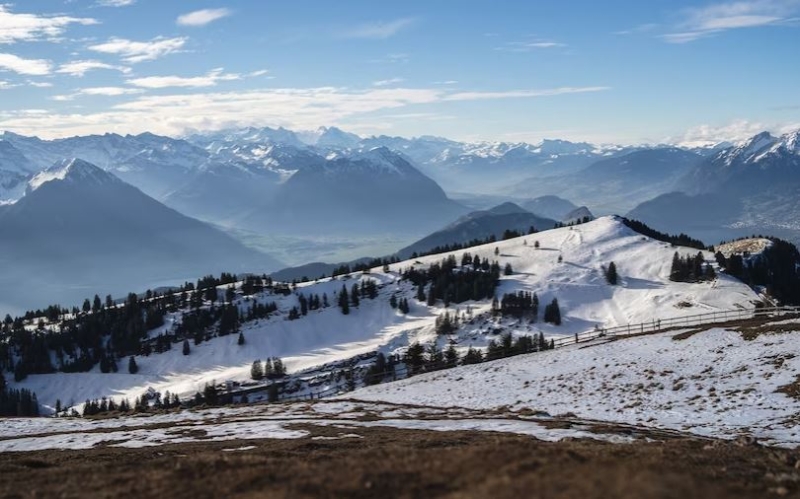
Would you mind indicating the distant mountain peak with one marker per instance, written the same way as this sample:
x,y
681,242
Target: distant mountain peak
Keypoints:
x,y
73,170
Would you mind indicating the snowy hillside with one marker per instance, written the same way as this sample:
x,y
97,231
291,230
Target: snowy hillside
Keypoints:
x,y
644,293
716,382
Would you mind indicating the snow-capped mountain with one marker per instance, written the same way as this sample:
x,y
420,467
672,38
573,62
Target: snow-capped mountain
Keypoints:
x,y
366,191
761,162
79,227
751,187
330,138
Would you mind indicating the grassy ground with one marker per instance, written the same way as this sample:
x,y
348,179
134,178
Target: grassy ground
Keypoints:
x,y
385,462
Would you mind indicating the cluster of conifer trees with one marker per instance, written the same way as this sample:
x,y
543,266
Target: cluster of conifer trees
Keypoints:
x,y
691,269
272,368
345,299
102,332
14,402
777,268
679,240
475,279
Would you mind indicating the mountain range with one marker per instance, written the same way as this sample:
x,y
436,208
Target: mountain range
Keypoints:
x,y
281,190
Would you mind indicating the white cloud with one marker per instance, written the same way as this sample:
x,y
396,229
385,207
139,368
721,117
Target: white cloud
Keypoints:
x,y
133,52
642,28
208,80
39,84
30,27
33,67
260,72
80,68
4,85
115,3
202,17
390,81
379,30
518,94
102,91
300,108
529,46
734,131
715,18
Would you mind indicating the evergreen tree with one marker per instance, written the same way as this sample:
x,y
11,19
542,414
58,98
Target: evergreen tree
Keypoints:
x,y
186,348
344,300
257,370
240,341
451,356
508,270
552,313
393,301
354,300
414,358
132,367
473,356
611,274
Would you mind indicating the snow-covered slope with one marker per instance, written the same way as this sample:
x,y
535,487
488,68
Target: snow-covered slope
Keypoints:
x,y
645,293
714,383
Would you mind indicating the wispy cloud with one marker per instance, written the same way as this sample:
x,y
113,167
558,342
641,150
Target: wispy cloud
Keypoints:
x,y
208,80
386,83
102,91
392,59
133,52
80,68
115,3
202,17
529,46
302,108
33,67
29,27
518,94
379,29
642,28
716,18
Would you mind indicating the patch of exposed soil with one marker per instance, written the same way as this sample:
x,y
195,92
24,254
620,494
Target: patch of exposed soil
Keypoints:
x,y
389,462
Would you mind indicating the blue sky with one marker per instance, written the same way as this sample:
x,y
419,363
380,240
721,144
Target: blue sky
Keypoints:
x,y
613,71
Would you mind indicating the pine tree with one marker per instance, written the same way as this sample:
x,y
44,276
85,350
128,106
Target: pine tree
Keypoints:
x,y
186,348
393,301
240,341
354,300
451,356
132,367
508,270
414,359
344,300
611,274
435,360
257,370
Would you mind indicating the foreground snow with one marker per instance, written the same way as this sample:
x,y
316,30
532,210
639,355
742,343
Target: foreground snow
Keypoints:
x,y
713,383
277,421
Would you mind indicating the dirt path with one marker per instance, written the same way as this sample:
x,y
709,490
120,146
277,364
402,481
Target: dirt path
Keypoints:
x,y
384,463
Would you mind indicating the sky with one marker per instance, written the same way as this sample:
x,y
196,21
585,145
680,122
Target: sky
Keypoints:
x,y
605,72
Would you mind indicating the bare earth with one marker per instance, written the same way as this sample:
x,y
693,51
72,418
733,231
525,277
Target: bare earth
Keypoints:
x,y
387,462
